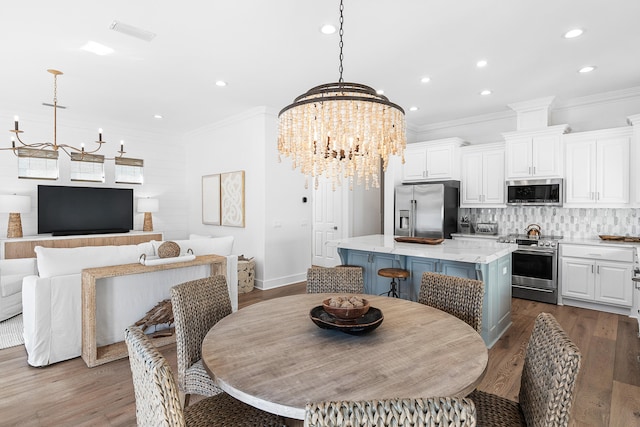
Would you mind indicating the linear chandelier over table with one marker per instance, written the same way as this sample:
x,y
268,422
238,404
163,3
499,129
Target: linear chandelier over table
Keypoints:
x,y
52,148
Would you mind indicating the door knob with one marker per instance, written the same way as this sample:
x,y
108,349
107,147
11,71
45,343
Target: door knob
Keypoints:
x,y
335,227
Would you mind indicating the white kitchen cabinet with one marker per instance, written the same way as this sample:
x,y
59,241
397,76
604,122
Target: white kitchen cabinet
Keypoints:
x,y
634,173
534,154
597,167
433,160
482,182
597,274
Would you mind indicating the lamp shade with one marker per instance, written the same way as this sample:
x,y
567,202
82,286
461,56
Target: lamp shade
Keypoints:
x,y
148,205
12,203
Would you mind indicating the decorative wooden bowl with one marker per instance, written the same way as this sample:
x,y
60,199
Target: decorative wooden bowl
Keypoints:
x,y
608,237
421,240
346,312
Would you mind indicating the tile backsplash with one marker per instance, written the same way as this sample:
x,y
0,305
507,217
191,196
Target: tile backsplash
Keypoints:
x,y
580,223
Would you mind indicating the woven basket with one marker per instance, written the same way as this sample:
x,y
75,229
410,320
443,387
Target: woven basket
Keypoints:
x,y
168,250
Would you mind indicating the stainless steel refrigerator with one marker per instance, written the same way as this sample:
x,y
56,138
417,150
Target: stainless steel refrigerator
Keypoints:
x,y
427,210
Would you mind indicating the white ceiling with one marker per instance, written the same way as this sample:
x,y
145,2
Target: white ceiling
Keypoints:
x,y
269,52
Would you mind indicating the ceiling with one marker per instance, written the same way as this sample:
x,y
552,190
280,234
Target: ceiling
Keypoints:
x,y
269,52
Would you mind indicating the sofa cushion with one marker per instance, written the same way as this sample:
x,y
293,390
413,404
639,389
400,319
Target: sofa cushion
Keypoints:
x,y
63,261
198,236
207,246
11,273
11,285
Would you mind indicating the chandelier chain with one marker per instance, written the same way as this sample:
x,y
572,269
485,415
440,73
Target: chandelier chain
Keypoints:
x,y
341,41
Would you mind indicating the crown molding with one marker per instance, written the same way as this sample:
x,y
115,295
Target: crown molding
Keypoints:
x,y
599,98
557,105
634,120
501,115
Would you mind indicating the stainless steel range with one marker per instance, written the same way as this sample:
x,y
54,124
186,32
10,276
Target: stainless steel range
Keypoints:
x,y
534,267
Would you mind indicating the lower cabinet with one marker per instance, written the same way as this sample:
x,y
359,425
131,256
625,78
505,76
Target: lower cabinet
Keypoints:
x,y
597,274
371,263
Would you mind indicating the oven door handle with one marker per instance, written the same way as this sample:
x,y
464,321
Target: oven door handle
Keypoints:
x,y
548,252
550,291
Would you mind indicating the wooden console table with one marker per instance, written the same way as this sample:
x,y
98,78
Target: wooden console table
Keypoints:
x,y
23,247
91,353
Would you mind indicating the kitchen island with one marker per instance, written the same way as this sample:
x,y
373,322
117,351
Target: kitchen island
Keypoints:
x,y
483,260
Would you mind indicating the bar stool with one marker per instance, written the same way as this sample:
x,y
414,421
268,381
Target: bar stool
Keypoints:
x,y
393,273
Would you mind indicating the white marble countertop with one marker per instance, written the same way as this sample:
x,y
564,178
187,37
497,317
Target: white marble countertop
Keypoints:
x,y
598,242
472,251
493,237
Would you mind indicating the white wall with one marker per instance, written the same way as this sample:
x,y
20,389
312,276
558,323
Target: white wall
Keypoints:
x,y
277,224
164,166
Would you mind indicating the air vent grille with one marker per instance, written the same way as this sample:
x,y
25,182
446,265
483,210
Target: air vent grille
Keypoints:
x,y
132,31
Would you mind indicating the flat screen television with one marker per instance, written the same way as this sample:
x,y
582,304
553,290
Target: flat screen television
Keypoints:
x,y
64,210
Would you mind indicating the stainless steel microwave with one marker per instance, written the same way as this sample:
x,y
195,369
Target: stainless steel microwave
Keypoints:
x,y
535,192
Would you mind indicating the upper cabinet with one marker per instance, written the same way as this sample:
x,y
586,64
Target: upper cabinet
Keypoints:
x,y
433,160
482,182
534,154
597,167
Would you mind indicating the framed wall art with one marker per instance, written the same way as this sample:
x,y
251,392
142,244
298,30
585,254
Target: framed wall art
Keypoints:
x,y
232,198
211,199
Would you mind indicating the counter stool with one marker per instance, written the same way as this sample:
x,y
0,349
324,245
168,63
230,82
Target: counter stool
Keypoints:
x,y
393,273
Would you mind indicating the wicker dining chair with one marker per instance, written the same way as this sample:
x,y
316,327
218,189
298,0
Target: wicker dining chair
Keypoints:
x,y
437,411
458,296
197,306
158,401
551,366
347,280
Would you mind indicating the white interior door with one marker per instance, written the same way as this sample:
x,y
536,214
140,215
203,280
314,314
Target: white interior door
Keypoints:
x,y
327,224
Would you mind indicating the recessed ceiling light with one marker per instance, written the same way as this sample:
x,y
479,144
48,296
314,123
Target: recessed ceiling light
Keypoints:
x,y
481,63
413,109
328,29
221,83
571,34
425,79
485,92
380,92
97,48
157,116
587,69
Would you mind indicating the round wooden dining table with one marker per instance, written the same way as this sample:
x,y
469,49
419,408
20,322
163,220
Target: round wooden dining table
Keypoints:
x,y
271,355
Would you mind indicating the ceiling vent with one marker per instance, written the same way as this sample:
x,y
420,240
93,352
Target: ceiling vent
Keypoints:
x,y
132,31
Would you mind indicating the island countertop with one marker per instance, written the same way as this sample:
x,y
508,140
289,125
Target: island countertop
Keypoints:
x,y
479,252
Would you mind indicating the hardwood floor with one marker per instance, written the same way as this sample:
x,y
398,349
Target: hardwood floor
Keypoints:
x,y
607,394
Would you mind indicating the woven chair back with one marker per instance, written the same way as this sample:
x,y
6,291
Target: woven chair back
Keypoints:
x,y
197,306
458,296
347,280
549,375
433,412
156,392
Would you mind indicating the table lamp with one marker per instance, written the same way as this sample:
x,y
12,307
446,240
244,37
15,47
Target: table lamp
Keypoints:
x,y
14,205
148,206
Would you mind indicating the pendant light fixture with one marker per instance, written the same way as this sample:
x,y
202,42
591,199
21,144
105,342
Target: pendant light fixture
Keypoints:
x,y
76,153
342,130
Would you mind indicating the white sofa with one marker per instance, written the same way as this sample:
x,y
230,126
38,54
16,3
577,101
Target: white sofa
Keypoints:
x,y
52,300
12,271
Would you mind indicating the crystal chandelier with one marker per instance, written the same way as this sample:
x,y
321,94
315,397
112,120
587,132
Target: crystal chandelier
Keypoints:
x,y
342,130
73,152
